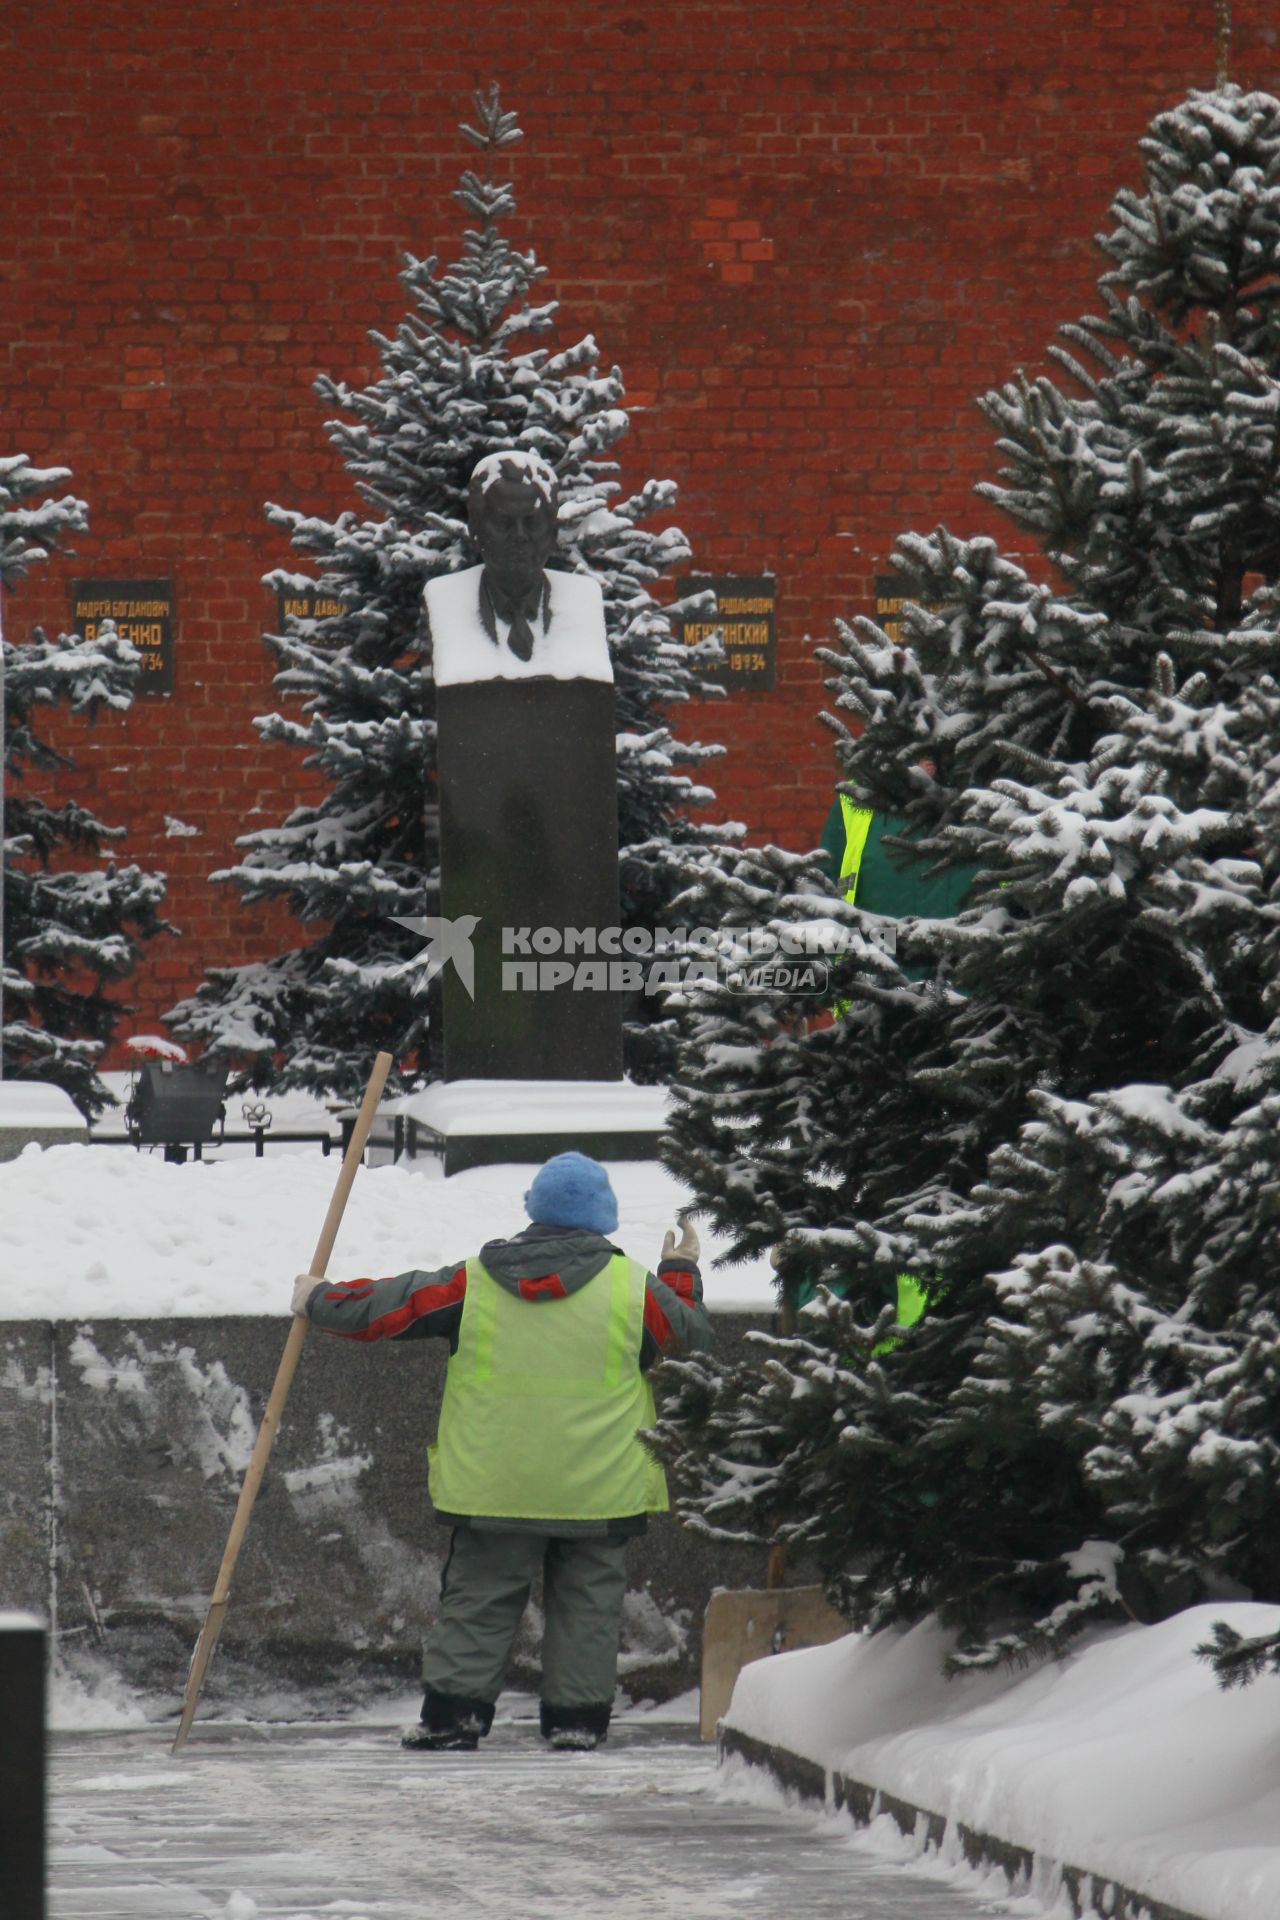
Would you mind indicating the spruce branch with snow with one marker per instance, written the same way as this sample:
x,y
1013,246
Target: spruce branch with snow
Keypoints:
x,y
1057,1109
1238,1658
73,917
470,371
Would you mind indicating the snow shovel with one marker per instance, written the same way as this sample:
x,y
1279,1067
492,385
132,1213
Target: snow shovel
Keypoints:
x,y
275,1405
742,1626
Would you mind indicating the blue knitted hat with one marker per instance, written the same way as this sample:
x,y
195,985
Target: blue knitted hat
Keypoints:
x,y
572,1191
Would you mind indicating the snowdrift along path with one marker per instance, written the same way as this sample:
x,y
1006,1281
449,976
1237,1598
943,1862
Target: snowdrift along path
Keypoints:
x,y
1125,1759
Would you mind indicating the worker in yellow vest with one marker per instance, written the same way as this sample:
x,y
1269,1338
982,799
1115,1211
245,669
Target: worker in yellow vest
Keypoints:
x,y
537,1465
890,883
885,880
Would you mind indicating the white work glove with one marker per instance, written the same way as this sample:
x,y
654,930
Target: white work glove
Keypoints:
x,y
304,1285
687,1247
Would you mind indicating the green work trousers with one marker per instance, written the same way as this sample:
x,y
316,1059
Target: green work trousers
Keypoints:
x,y
484,1592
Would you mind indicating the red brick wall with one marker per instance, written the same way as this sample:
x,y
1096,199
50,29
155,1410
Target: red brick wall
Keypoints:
x,y
808,234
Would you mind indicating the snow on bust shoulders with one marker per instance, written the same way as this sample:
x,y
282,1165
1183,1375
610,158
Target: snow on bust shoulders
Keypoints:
x,y
573,647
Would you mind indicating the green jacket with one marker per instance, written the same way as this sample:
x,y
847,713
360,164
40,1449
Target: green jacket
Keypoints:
x,y
883,881
890,883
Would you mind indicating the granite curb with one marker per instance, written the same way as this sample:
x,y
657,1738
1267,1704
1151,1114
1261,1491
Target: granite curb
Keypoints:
x,y
1091,1894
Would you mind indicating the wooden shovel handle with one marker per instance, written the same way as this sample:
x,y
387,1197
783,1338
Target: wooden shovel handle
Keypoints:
x,y
350,1166
275,1405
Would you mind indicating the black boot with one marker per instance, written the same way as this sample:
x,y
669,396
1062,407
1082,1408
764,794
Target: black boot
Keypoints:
x,y
576,1729
450,1723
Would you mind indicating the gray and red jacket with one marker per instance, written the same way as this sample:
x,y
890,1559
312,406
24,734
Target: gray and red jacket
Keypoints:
x,y
540,1265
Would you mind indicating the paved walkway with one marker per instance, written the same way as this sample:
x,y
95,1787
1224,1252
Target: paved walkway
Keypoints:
x,y
293,1823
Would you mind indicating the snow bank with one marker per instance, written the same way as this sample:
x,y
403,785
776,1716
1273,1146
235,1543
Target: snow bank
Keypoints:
x,y
536,1106
26,1105
96,1232
1125,1758
95,1701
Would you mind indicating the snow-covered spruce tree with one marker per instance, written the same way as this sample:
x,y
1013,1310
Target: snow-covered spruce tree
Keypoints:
x,y
68,929
1060,1107
463,376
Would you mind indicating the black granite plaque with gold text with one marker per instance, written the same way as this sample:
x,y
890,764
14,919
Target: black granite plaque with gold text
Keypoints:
x,y
143,614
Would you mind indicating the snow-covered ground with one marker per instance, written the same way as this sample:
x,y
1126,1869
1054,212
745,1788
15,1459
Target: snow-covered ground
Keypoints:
x,y
99,1232
305,1823
1125,1759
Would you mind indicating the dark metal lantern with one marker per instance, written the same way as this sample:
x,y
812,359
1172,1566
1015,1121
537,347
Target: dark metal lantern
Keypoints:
x,y
174,1105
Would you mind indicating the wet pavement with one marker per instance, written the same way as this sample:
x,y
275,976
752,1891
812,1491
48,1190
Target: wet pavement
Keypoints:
x,y
305,1822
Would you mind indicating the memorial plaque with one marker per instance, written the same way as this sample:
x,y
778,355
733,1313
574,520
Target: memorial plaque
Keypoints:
x,y
307,604
890,601
745,621
143,613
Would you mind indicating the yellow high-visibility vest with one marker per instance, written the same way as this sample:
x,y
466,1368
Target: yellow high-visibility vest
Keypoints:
x,y
543,1403
912,1297
857,825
